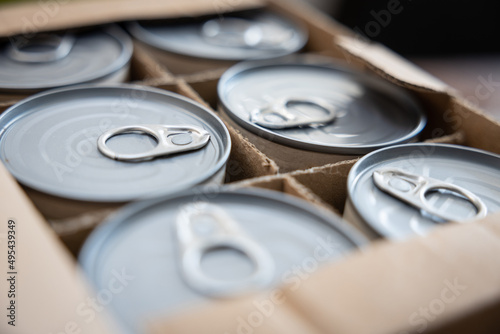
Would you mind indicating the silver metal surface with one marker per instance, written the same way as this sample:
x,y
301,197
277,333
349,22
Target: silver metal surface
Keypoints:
x,y
248,35
169,140
414,188
226,233
49,143
368,113
476,171
58,48
49,61
142,241
278,114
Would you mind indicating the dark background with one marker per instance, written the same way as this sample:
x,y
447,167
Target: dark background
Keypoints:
x,y
425,27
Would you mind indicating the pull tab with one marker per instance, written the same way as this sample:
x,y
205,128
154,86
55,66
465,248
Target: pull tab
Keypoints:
x,y
233,32
225,233
170,139
277,115
57,47
416,187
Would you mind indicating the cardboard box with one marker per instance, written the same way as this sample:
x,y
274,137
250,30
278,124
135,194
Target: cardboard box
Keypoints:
x,y
378,290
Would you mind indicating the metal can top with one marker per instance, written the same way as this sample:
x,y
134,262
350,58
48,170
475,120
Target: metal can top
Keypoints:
x,y
49,142
257,237
237,36
49,60
311,103
410,189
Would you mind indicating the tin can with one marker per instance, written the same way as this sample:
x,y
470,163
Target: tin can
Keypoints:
x,y
81,148
50,60
307,111
407,190
210,244
193,45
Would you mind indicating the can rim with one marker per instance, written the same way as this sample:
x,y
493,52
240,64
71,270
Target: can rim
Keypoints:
x,y
321,62
117,199
125,56
89,254
356,172
143,35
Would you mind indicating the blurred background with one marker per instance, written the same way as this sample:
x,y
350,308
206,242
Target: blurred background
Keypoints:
x,y
454,40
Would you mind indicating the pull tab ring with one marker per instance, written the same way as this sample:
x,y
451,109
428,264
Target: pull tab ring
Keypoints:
x,y
165,135
226,234
284,119
420,186
60,48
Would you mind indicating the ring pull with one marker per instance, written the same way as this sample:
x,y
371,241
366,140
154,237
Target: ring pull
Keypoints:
x,y
277,115
170,140
58,48
225,233
417,187
232,32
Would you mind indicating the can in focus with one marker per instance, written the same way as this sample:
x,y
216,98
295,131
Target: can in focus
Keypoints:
x,y
79,148
410,189
307,111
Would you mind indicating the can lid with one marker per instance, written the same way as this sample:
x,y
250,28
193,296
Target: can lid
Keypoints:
x,y
410,189
49,60
148,242
49,142
312,103
236,36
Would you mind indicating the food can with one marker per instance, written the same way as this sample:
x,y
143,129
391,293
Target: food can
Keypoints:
x,y
209,244
82,148
50,60
407,190
306,111
197,44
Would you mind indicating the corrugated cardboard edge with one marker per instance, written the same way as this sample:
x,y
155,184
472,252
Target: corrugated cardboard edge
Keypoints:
x,y
28,17
392,66
50,289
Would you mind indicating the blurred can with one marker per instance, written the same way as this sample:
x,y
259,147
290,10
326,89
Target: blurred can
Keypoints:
x,y
204,245
407,190
194,45
307,111
50,60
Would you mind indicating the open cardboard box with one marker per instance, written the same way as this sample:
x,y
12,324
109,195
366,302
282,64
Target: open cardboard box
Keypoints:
x,y
384,289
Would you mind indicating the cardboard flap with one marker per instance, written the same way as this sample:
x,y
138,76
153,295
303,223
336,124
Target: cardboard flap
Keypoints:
x,y
49,294
391,63
29,17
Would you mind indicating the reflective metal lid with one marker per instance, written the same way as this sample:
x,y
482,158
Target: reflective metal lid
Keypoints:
x,y
148,241
436,183
237,36
54,60
49,142
311,103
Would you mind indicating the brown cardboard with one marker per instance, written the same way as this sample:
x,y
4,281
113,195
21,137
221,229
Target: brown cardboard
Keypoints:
x,y
236,316
420,285
285,184
27,17
49,288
